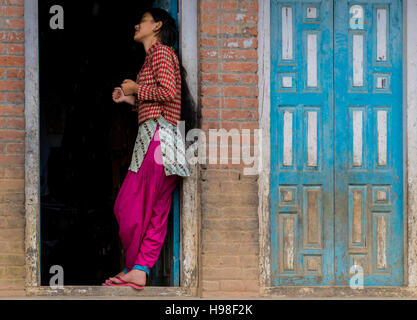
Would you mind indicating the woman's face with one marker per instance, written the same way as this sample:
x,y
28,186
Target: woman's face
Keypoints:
x,y
146,28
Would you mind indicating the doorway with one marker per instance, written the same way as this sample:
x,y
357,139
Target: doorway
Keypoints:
x,y
336,143
86,140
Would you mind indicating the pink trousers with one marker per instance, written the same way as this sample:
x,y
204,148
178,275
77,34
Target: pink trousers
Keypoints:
x,y
142,207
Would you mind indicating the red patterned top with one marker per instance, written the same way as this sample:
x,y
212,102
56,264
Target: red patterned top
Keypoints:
x,y
159,83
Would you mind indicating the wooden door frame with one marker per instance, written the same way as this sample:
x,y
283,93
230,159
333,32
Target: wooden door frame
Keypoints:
x,y
409,177
189,193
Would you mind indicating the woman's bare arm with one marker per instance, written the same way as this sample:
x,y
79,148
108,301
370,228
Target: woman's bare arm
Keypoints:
x,y
131,100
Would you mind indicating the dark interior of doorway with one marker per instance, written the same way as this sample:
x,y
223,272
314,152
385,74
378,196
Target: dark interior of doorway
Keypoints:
x,y
86,139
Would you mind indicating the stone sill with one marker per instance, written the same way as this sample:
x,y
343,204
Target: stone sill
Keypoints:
x,y
338,292
101,291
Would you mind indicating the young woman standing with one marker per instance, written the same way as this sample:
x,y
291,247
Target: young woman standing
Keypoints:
x,y
158,160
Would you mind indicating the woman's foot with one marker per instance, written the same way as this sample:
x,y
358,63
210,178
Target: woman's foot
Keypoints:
x,y
134,276
121,273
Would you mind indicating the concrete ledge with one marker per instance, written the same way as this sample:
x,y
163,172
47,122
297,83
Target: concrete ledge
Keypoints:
x,y
79,291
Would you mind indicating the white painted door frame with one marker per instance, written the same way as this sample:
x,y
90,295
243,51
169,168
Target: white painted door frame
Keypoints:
x,y
410,166
190,197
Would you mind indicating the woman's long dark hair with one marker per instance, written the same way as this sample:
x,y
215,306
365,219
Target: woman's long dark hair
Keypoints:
x,y
168,35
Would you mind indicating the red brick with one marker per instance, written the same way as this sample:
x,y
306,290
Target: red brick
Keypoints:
x,y
229,29
251,42
209,42
249,125
249,103
229,18
208,54
238,91
229,5
250,30
230,103
209,91
210,77
209,113
249,78
12,61
230,78
14,24
210,29
15,123
16,85
14,2
15,73
15,48
239,18
207,17
12,11
240,66
12,36
11,110
239,115
209,66
12,159
231,42
15,148
239,54
205,125
240,43
208,5
16,97
210,102
249,6
11,135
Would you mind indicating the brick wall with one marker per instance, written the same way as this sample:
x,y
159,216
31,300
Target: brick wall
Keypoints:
x,y
12,159
228,79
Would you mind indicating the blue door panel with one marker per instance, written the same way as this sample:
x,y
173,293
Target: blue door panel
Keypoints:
x,y
302,246
336,142
375,181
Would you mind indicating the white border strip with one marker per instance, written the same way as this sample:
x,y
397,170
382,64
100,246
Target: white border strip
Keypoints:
x,y
190,197
188,42
31,143
411,195
264,123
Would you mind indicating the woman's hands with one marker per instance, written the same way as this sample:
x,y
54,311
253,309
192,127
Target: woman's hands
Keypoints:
x,y
119,96
126,92
130,87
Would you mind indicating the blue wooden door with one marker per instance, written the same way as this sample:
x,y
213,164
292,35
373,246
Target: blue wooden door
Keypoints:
x,y
336,184
302,183
368,141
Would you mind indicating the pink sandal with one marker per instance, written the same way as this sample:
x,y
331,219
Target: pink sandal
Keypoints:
x,y
123,284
